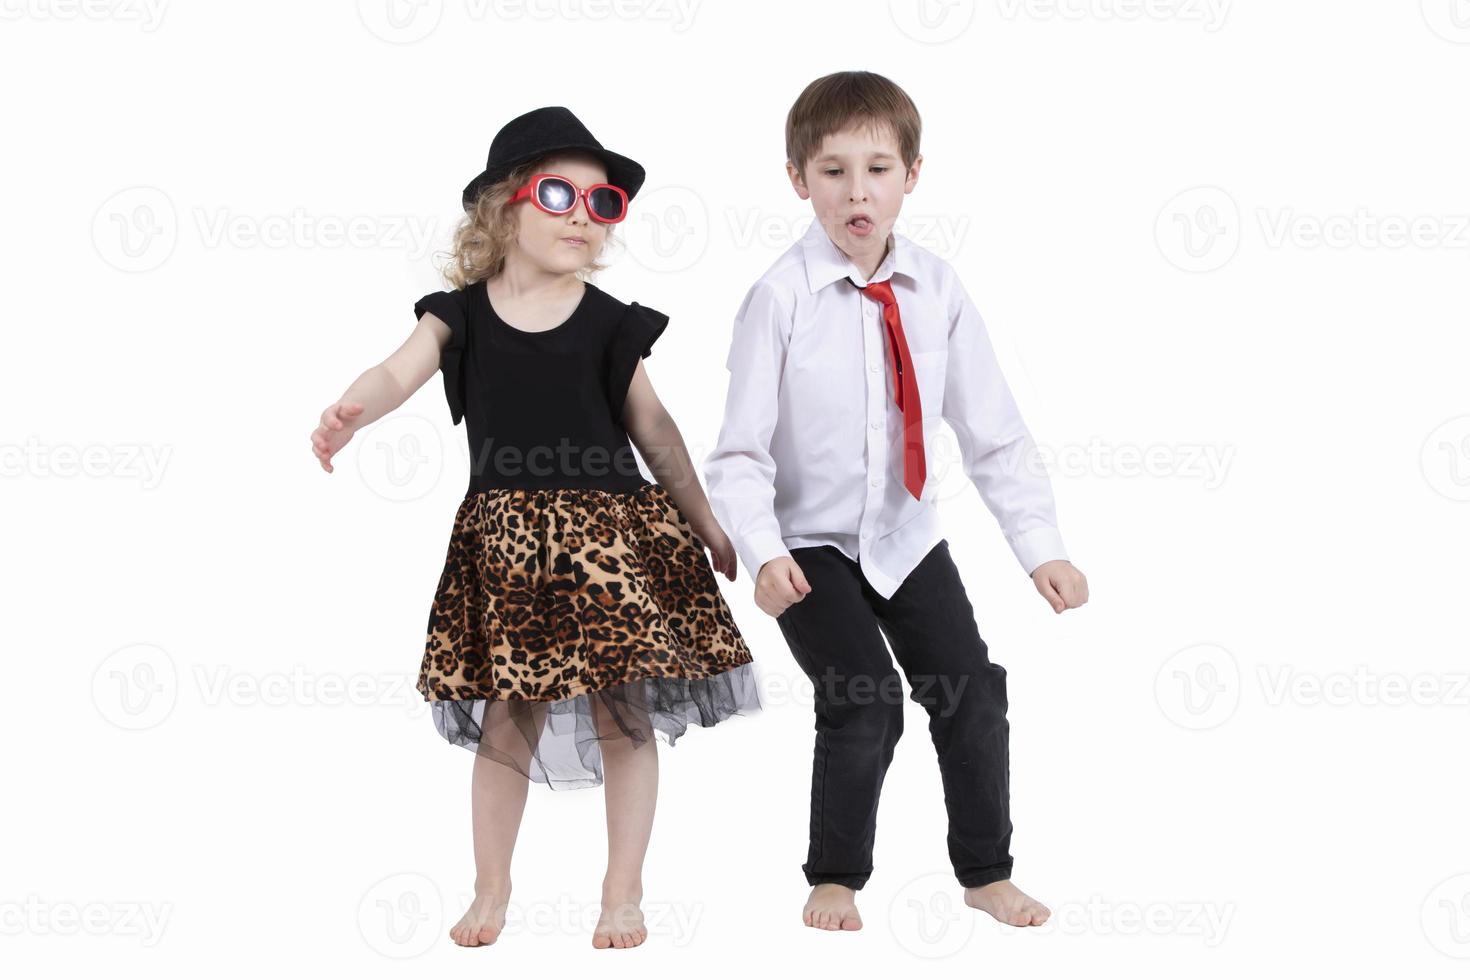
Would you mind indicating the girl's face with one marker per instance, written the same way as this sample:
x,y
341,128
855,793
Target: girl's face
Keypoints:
x,y
563,243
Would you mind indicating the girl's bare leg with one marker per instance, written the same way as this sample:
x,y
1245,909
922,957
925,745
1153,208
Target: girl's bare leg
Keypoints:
x,y
497,801
630,787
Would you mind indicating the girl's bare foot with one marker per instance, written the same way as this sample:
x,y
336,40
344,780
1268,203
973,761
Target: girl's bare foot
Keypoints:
x,y
620,925
1007,904
485,918
832,906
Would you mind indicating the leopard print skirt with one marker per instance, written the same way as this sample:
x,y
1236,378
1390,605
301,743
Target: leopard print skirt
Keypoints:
x,y
567,620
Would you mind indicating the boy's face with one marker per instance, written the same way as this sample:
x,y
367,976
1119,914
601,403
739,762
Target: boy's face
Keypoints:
x,y
856,182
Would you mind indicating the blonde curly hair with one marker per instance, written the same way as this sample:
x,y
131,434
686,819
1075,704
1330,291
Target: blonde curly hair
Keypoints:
x,y
483,237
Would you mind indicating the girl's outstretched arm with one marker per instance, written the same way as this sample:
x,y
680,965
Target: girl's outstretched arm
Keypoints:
x,y
381,388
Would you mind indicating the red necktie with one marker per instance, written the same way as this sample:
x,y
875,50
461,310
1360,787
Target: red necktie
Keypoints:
x,y
905,388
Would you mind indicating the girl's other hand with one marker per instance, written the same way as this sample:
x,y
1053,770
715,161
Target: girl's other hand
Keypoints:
x,y
721,551
334,432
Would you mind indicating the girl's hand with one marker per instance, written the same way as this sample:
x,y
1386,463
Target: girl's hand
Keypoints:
x,y
1061,584
334,432
721,551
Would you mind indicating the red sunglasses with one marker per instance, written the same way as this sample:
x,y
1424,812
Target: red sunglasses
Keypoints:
x,y
555,194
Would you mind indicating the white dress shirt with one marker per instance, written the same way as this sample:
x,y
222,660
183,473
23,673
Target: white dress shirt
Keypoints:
x,y
811,449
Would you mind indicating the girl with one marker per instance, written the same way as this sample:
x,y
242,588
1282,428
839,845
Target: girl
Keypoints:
x,y
577,614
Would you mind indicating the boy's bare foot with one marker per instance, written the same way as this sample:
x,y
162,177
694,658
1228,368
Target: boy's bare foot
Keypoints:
x,y
620,925
485,918
832,906
1007,904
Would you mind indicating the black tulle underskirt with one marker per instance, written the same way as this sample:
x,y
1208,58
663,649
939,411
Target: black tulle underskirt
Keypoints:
x,y
560,743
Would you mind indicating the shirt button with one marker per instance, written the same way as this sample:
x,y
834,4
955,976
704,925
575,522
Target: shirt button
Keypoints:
x,y
867,534
873,482
873,368
872,425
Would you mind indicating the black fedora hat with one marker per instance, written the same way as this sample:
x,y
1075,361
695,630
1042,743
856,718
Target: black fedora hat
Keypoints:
x,y
539,132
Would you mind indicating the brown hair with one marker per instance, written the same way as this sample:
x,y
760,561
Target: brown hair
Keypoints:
x,y
836,102
483,237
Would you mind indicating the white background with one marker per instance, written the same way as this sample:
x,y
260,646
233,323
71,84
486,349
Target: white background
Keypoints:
x,y
1222,249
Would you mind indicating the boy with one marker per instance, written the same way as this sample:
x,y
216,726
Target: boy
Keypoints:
x,y
846,354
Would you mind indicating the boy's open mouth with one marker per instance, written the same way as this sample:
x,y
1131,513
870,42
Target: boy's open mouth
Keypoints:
x,y
860,224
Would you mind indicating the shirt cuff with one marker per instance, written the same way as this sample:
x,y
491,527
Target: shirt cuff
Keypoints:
x,y
760,548
1037,546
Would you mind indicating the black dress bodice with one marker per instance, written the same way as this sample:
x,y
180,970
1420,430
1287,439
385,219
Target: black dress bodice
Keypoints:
x,y
543,409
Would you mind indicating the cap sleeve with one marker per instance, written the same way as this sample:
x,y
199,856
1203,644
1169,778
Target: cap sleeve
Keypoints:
x,y
633,339
449,307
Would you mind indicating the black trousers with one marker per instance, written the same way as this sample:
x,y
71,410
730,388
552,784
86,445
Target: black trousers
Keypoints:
x,y
836,635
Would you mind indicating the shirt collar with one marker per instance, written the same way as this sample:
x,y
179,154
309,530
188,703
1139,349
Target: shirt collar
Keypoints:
x,y
826,263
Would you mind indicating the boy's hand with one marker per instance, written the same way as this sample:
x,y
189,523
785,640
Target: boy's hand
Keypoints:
x,y
779,584
335,429
1060,583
